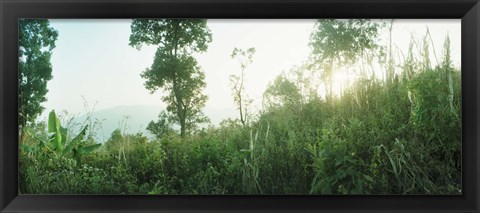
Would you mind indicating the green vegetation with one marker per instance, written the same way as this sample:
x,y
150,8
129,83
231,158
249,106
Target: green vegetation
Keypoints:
x,y
396,134
174,69
36,42
242,102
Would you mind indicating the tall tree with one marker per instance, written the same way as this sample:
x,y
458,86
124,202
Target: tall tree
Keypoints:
x,y
239,97
340,42
36,42
174,69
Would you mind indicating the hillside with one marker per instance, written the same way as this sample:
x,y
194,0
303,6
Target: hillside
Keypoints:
x,y
135,118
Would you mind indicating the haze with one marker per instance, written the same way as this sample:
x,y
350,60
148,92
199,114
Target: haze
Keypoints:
x,y
93,63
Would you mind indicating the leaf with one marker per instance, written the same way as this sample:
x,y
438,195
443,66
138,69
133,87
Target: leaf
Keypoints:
x,y
370,179
80,135
68,148
52,122
57,124
52,145
88,149
58,140
338,162
325,131
68,151
64,132
26,148
75,140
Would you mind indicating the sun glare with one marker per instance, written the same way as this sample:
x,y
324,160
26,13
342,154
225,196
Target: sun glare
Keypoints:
x,y
341,80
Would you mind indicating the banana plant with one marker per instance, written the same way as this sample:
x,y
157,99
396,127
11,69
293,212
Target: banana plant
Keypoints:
x,y
58,140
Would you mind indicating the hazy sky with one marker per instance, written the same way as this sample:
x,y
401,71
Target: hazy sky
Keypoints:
x,y
92,59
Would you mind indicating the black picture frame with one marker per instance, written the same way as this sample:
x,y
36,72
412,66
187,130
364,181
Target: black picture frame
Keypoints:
x,y
466,10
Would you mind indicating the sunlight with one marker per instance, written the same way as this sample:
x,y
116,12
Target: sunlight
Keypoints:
x,y
341,79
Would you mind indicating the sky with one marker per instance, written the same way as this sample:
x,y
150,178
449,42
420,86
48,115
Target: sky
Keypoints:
x,y
93,63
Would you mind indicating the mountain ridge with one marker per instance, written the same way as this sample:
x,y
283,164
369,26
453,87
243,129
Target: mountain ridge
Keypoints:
x,y
135,118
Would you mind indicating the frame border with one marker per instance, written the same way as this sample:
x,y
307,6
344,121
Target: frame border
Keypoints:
x,y
467,10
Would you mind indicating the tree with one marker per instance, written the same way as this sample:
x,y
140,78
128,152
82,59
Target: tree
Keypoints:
x,y
237,81
282,92
113,143
36,42
336,41
160,127
116,144
174,69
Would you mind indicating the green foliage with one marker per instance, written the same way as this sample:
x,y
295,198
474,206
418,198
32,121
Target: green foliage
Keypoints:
x,y
61,175
341,42
162,126
241,100
174,69
343,39
397,136
113,144
282,92
59,142
36,42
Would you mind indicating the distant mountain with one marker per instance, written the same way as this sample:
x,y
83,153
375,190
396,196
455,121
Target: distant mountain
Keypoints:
x,y
131,119
135,118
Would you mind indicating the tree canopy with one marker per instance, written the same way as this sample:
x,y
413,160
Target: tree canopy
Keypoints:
x,y
337,41
174,69
36,42
343,40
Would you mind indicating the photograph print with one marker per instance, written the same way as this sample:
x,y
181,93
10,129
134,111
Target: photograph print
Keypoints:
x,y
240,106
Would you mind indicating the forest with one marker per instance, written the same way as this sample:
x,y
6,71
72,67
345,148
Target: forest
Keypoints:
x,y
395,129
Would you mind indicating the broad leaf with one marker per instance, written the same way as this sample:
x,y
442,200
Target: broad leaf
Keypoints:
x,y
52,122
58,140
88,149
64,132
75,141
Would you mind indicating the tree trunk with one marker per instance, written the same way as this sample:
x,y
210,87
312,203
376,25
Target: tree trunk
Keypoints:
x,y
180,109
242,119
176,90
